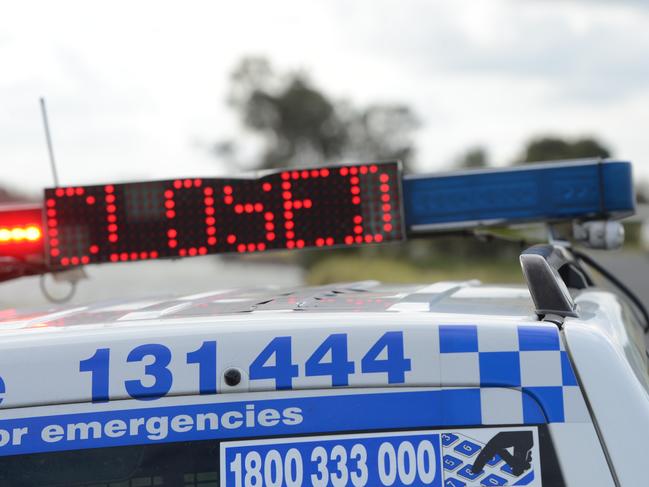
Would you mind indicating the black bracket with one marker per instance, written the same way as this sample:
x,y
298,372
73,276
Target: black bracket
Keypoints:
x,y
545,267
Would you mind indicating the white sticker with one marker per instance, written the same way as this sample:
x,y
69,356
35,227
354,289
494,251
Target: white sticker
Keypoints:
x,y
438,458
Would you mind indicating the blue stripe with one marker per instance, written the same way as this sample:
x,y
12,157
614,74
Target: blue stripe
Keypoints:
x,y
396,410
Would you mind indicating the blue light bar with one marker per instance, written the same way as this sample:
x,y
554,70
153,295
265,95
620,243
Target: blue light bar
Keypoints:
x,y
548,192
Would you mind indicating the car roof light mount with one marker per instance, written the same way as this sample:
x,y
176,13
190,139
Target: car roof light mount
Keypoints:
x,y
545,267
599,234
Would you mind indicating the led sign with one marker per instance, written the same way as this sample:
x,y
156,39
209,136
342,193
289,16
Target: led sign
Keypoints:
x,y
291,209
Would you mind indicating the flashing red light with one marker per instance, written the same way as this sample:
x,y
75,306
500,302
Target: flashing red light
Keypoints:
x,y
29,233
21,232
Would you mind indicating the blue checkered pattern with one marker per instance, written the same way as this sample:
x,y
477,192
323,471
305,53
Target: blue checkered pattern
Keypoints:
x,y
528,358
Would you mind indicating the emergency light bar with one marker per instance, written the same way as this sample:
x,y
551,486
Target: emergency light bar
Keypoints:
x,y
298,208
550,192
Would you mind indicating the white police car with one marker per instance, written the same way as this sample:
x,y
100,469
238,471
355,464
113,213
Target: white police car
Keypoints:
x,y
357,384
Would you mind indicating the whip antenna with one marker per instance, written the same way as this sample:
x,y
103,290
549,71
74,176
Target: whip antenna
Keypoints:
x,y
48,138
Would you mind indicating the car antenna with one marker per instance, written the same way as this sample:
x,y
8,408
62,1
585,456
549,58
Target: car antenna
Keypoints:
x,y
72,276
48,139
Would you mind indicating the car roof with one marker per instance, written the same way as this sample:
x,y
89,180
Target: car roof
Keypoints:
x,y
41,346
244,319
462,299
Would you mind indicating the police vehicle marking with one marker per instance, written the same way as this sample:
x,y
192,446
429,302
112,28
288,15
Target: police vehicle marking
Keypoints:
x,y
274,362
528,358
358,460
218,417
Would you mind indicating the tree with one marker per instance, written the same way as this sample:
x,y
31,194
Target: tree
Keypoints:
x,y
9,195
300,124
475,158
642,192
556,148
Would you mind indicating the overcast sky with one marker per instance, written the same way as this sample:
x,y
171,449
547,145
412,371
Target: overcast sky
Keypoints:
x,y
136,89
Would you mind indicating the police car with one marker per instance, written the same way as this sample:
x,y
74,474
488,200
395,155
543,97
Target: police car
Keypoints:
x,y
356,384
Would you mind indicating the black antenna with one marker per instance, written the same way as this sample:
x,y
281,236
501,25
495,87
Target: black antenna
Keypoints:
x,y
49,142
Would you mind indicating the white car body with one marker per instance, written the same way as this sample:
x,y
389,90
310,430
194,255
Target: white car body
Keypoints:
x,y
587,387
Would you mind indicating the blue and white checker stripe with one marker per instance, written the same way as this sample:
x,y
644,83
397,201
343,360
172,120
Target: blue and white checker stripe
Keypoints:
x,y
529,358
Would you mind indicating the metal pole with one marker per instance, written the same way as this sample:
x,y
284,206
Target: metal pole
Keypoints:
x,y
49,142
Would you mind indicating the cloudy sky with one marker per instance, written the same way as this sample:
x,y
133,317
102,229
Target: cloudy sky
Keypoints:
x,y
136,89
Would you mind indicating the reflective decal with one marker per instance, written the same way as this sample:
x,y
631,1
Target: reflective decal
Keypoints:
x,y
205,418
413,458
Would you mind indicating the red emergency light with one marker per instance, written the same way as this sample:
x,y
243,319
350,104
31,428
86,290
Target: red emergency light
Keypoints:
x,y
22,243
21,234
